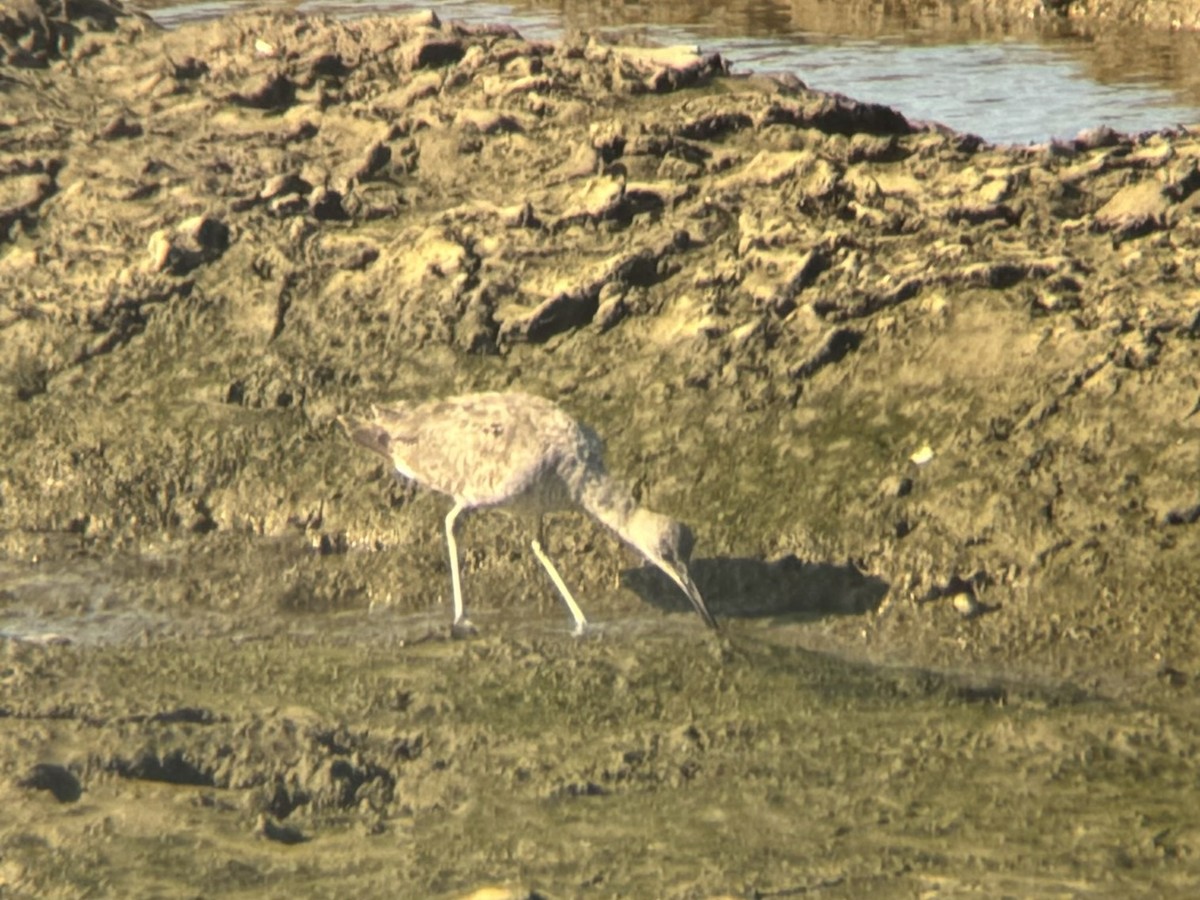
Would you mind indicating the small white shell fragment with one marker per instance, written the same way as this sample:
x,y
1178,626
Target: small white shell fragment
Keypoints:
x,y
263,48
922,456
966,605
45,639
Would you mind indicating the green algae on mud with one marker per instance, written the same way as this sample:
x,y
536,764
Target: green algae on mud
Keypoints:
x,y
659,760
221,622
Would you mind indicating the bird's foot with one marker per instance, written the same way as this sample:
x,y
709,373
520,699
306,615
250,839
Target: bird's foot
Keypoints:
x,y
463,629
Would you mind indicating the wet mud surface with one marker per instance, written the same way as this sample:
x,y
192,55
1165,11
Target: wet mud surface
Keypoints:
x,y
930,407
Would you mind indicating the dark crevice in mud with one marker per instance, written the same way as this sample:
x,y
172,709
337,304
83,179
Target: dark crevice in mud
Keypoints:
x,y
866,304
192,715
325,768
173,767
60,781
1187,515
336,784
283,302
327,777
827,349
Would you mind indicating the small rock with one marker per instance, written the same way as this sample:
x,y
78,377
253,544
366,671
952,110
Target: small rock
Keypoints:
x,y
561,312
159,249
275,91
288,205
872,148
425,84
473,59
526,85
922,456
1094,138
46,639
193,241
669,68
494,892
826,348
1135,210
425,18
21,196
612,307
519,216
1171,676
272,831
599,199
120,127
206,233
281,185
896,486
656,195
778,277
486,121
378,155
996,190
769,169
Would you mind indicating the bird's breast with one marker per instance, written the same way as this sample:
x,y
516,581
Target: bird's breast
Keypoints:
x,y
404,469
541,493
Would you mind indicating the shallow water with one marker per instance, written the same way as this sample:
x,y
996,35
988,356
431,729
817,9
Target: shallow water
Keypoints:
x,y
1022,89
405,764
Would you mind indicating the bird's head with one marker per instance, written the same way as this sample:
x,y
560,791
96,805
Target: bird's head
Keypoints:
x,y
668,544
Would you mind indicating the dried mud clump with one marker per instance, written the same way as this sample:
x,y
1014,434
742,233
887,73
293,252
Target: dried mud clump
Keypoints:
x,y
34,33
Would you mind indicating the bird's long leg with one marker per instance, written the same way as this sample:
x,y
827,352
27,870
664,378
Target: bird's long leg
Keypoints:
x,y
576,612
452,547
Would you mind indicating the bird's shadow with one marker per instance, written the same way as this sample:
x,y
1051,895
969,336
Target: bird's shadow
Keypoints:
x,y
751,588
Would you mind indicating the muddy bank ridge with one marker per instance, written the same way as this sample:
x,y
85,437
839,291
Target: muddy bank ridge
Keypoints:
x,y
812,328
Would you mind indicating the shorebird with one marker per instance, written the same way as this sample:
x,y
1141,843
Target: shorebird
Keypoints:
x,y
524,454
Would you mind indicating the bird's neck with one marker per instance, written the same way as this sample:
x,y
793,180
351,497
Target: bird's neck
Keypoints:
x,y
609,502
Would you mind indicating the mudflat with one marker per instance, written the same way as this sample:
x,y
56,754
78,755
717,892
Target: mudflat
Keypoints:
x,y
930,406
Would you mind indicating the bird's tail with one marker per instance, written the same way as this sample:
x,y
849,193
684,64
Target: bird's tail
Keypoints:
x,y
367,434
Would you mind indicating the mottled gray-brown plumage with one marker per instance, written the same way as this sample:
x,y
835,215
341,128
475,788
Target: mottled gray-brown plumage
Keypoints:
x,y
523,453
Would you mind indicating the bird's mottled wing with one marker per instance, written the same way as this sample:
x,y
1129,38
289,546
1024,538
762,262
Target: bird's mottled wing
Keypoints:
x,y
482,449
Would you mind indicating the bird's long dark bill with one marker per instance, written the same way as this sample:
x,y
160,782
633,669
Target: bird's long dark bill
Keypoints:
x,y
681,577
